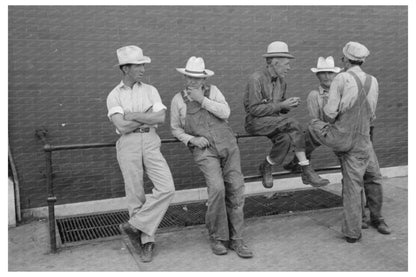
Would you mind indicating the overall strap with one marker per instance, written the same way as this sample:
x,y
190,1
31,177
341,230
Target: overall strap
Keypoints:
x,y
367,82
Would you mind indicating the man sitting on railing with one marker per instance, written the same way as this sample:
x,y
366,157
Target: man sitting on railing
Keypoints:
x,y
265,104
199,119
135,109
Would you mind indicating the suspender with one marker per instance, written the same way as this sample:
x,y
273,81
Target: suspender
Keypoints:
x,y
367,82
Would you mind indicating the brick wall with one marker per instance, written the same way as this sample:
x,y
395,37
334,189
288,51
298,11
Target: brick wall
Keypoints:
x,y
61,71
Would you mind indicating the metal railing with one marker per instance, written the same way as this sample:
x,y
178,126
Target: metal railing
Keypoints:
x,y
51,199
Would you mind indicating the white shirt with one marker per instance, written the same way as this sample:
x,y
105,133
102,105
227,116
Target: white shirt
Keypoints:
x,y
123,99
215,104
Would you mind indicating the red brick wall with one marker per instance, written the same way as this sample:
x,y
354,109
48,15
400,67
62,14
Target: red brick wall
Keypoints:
x,y
61,71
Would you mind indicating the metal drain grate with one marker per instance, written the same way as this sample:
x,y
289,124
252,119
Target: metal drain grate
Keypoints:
x,y
94,226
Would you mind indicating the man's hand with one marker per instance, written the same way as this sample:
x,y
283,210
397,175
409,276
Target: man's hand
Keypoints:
x,y
289,103
128,116
196,94
199,142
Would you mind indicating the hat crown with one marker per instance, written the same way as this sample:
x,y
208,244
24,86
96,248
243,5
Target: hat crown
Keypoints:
x,y
131,54
325,63
278,47
195,65
355,51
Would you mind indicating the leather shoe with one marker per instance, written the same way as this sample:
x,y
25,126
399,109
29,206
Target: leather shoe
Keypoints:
x,y
310,177
218,247
266,171
364,225
240,248
133,234
147,254
352,240
382,227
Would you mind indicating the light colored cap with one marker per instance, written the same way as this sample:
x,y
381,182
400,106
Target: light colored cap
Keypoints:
x,y
195,67
355,51
325,65
278,49
131,55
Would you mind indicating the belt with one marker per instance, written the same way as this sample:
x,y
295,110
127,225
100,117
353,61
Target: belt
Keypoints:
x,y
142,130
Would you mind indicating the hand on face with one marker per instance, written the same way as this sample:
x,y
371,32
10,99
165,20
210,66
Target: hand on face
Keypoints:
x,y
196,94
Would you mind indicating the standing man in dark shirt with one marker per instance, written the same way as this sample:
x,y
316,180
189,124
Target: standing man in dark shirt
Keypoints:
x,y
266,105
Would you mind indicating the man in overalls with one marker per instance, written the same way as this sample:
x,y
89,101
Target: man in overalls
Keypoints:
x,y
351,107
135,109
199,119
266,107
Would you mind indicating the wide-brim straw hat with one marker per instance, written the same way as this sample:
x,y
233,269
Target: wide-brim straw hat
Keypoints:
x,y
195,67
131,54
326,65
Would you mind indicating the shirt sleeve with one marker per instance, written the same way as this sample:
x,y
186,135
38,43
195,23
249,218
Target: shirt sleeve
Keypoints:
x,y
331,109
176,126
313,104
157,101
113,105
257,105
216,104
372,98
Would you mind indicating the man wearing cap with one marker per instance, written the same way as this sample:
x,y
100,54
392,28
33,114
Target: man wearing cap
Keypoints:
x,y
199,116
265,104
135,109
345,128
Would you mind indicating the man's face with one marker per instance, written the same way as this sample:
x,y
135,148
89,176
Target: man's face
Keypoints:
x,y
194,82
281,66
325,78
135,72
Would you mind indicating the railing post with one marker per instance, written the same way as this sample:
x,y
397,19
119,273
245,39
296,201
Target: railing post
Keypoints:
x,y
41,134
51,197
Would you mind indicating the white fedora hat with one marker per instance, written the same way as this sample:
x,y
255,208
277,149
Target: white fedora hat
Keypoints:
x,y
131,54
278,49
195,67
326,65
355,51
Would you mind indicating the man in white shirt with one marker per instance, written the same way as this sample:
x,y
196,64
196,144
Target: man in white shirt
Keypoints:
x,y
135,109
199,116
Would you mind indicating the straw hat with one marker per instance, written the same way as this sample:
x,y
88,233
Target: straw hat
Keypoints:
x,y
195,67
326,65
131,55
278,49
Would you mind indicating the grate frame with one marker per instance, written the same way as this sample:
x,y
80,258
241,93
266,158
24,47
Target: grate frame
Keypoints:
x,y
98,226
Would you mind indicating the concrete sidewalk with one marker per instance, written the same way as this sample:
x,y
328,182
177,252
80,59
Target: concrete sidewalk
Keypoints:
x,y
308,241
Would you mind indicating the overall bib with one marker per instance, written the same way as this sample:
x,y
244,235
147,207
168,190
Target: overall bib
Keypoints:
x,y
220,164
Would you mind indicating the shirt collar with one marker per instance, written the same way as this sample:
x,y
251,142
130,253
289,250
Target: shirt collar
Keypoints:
x,y
323,91
355,68
122,85
268,74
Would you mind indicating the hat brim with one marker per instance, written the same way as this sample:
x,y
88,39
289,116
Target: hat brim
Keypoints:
x,y
332,69
142,61
278,55
207,73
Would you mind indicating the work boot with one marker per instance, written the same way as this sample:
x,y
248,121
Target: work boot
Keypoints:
x,y
240,248
133,234
147,254
309,177
218,247
293,166
382,227
266,171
